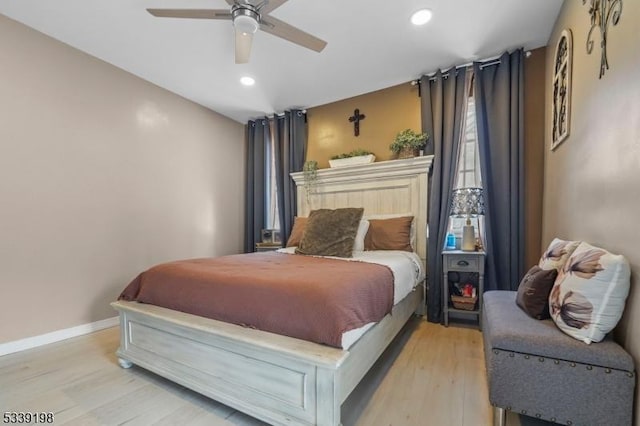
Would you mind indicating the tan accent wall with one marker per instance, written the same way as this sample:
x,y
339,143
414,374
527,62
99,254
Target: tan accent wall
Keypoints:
x,y
396,108
534,107
388,111
592,180
102,175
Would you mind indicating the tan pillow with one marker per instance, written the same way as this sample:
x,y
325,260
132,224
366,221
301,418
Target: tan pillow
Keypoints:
x,y
330,232
394,215
389,234
297,231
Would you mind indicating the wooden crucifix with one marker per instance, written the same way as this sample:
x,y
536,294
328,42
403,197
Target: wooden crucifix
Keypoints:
x,y
355,119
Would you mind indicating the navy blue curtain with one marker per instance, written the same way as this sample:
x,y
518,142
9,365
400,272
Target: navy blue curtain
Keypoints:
x,y
290,149
442,103
257,137
499,93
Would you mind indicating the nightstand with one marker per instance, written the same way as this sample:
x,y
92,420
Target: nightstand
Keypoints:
x,y
461,268
262,247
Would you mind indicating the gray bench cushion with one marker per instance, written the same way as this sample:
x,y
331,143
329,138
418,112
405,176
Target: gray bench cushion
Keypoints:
x,y
507,327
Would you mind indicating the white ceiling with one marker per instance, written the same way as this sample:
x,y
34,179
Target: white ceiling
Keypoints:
x,y
371,45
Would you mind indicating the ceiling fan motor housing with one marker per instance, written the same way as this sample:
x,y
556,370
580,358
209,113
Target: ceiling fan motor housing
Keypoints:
x,y
246,18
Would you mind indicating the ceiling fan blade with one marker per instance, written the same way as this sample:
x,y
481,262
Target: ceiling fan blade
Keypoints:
x,y
272,5
243,47
191,13
283,30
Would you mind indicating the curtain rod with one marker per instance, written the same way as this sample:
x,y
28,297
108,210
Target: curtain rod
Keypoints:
x,y
281,114
276,115
484,63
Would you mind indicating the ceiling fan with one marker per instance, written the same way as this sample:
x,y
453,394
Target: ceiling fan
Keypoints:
x,y
247,18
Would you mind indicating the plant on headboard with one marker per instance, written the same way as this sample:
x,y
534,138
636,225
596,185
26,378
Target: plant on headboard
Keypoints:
x,y
407,142
310,172
355,153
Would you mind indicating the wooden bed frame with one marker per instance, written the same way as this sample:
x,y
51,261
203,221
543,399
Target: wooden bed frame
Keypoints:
x,y
279,379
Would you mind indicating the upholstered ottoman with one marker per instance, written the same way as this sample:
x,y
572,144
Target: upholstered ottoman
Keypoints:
x,y
535,369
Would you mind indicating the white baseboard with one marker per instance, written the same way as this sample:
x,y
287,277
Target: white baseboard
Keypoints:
x,y
56,336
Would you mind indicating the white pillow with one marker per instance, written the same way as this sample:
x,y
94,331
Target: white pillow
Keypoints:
x,y
588,297
363,227
412,232
556,255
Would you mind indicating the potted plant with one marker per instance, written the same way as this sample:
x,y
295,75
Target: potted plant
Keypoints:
x,y
407,143
357,156
310,173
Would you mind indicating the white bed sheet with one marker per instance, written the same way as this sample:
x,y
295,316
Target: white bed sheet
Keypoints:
x,y
407,272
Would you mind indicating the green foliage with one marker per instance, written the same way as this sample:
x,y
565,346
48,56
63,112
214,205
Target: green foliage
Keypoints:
x,y
310,166
408,139
355,153
310,172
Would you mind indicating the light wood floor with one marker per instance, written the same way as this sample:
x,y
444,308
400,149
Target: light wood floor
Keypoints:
x,y
431,375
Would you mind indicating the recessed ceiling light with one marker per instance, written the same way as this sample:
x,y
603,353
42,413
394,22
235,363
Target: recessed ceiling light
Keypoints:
x,y
247,81
421,17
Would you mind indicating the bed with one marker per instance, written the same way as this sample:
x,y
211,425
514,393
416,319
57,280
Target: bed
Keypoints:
x,y
278,379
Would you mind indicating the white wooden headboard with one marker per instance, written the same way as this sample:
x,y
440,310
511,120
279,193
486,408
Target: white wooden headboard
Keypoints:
x,y
397,186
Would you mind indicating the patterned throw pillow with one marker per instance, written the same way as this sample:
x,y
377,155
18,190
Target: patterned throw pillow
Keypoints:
x,y
300,224
533,292
555,256
588,297
330,232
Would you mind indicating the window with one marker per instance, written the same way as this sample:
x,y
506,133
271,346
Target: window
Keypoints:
x,y
468,169
272,216
468,166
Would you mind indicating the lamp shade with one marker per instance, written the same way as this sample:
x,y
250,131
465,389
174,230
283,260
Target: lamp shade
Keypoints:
x,y
467,202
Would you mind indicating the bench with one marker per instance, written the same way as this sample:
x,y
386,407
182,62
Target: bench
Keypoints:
x,y
535,369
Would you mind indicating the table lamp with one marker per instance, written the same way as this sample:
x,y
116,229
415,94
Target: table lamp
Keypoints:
x,y
467,202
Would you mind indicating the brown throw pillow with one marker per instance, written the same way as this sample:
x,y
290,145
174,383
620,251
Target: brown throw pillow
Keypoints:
x,y
330,232
297,231
389,234
533,292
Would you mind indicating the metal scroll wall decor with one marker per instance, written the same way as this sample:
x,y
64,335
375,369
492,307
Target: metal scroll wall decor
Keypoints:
x,y
603,13
562,88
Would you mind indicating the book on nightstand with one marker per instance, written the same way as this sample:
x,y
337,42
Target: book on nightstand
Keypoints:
x,y
269,245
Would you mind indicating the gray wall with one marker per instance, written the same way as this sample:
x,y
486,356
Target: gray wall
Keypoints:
x,y
592,180
102,175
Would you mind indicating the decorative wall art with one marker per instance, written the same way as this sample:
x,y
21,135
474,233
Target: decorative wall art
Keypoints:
x,y
356,118
561,108
603,13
